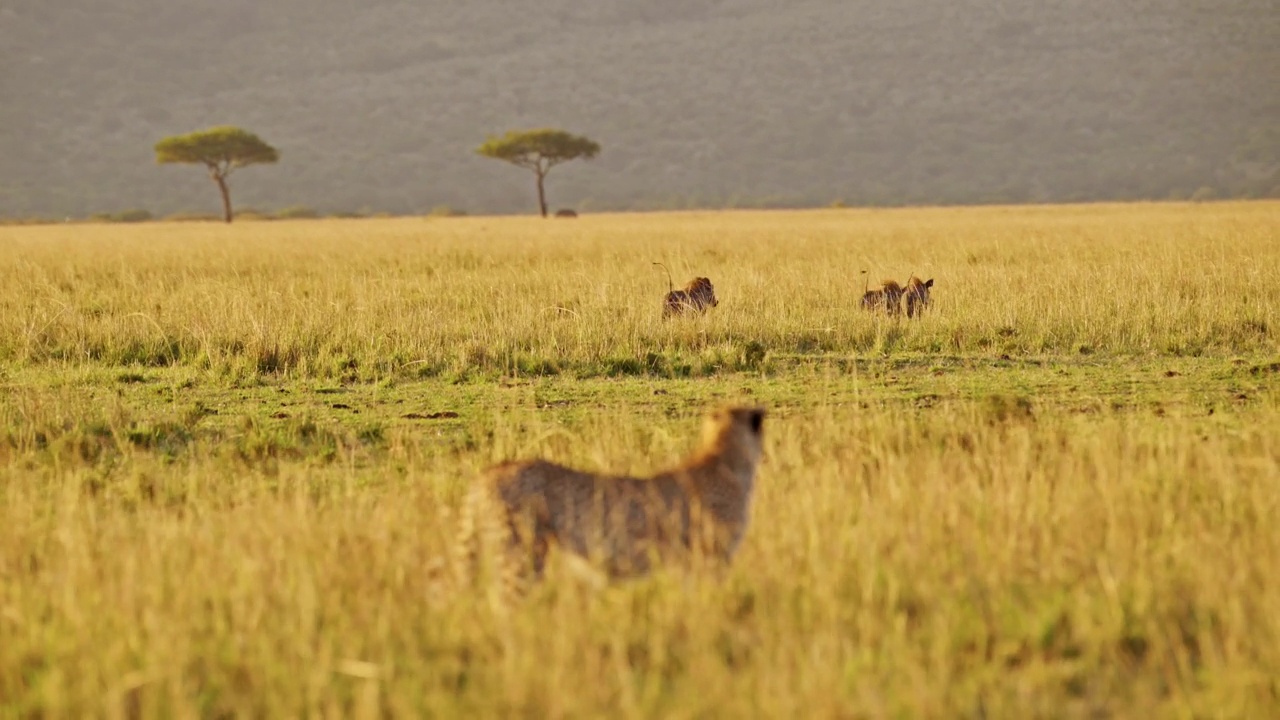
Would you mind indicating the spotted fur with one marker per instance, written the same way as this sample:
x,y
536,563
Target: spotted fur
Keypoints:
x,y
626,525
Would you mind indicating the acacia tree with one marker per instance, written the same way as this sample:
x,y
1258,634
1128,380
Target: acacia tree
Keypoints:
x,y
221,150
539,151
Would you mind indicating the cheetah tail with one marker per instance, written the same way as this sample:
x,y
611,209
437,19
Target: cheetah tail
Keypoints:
x,y
671,286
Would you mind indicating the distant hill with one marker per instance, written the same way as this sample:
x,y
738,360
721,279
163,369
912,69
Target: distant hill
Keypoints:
x,y
379,104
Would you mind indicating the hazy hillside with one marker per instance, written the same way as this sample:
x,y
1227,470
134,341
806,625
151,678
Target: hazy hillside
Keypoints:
x,y
379,104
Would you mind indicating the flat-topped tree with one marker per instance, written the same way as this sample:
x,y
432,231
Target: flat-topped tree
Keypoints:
x,y
221,150
539,151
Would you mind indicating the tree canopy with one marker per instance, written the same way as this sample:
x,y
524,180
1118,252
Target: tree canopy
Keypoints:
x,y
539,150
221,150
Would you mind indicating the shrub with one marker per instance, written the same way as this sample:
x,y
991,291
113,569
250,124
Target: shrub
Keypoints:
x,y
193,216
297,212
29,221
127,216
253,215
1203,194
132,216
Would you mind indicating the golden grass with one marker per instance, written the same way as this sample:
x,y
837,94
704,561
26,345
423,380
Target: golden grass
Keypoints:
x,y
406,296
1055,496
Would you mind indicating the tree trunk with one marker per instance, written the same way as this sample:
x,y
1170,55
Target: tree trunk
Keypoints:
x,y
542,195
226,195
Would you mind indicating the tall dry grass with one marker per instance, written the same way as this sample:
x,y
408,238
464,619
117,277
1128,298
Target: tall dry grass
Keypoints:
x,y
1017,555
949,564
421,298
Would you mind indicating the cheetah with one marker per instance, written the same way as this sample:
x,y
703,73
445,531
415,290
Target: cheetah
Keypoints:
x,y
626,526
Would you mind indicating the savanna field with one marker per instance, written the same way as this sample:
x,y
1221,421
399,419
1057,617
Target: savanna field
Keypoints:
x,y
232,458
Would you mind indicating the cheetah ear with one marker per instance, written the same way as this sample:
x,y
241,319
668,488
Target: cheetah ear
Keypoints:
x,y
757,420
928,283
